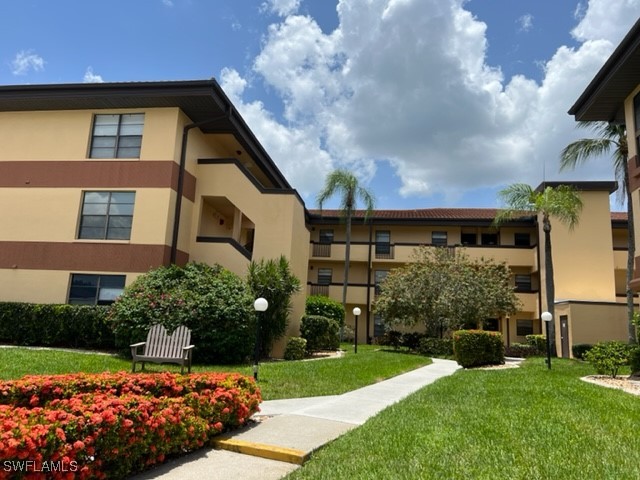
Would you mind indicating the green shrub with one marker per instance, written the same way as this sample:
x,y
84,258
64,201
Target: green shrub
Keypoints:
x,y
73,326
390,338
296,348
213,302
411,340
326,307
274,281
321,333
348,334
580,349
474,348
539,342
608,357
522,350
634,360
436,347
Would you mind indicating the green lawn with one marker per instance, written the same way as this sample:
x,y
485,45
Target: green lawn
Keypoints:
x,y
525,423
277,379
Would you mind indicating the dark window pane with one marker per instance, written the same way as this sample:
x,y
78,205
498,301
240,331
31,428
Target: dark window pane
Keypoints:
x,y
128,153
489,239
102,153
524,328
469,239
522,239
326,236
118,234
91,233
120,222
135,141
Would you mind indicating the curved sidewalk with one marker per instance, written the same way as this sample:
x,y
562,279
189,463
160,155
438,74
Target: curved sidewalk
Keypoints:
x,y
289,431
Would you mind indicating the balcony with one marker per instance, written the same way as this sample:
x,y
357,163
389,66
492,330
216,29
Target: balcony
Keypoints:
x,y
321,250
356,294
223,250
335,251
529,301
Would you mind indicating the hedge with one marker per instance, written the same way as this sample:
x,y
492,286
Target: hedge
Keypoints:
x,y
326,307
475,348
436,347
321,333
113,425
73,326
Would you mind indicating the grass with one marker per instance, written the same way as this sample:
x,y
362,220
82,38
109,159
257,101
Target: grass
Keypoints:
x,y
277,379
524,423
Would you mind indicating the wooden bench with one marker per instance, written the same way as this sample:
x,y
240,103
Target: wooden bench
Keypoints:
x,y
161,347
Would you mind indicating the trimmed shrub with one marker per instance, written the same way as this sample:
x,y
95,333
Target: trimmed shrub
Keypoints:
x,y
321,333
436,347
213,302
390,338
634,360
112,425
411,340
73,326
608,357
475,348
325,307
522,350
579,350
348,334
296,348
539,342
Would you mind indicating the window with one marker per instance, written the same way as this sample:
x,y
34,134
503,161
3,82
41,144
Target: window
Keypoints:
x,y
439,238
326,236
523,283
491,325
383,242
522,239
106,215
95,289
380,275
489,239
524,328
324,276
469,239
117,136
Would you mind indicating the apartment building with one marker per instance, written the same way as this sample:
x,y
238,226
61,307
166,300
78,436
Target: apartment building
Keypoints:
x,y
589,263
101,182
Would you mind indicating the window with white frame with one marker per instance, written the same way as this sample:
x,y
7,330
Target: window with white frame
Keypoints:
x,y
439,239
117,135
106,215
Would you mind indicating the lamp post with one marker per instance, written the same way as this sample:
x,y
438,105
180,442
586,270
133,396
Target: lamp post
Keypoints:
x,y
356,312
260,306
546,318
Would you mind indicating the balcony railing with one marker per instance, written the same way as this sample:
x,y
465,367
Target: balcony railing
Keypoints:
x,y
321,249
384,251
319,290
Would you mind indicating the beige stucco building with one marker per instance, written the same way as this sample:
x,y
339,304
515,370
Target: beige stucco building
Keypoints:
x,y
101,182
589,263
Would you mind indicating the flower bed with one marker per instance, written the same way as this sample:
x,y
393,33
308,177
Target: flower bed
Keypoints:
x,y
114,424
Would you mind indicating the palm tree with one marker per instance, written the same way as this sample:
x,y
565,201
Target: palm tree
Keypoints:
x,y
562,203
610,139
346,184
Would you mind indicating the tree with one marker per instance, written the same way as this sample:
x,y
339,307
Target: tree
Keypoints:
x,y
346,184
446,291
611,140
213,302
562,203
274,281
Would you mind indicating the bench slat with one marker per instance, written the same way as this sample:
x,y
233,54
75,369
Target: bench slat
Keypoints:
x,y
161,347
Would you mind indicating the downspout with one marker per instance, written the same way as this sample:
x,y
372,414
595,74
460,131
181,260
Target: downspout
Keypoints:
x,y
369,283
181,171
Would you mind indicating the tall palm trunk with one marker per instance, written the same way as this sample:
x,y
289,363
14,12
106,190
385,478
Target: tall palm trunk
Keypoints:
x,y
347,254
631,242
549,284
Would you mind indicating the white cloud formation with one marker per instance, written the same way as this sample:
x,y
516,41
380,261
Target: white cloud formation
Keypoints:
x,y
281,7
167,3
26,60
525,22
407,81
90,77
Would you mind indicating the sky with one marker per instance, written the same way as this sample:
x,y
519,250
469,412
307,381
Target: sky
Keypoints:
x,y
431,103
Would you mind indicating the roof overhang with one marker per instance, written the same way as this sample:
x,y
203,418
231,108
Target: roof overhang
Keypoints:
x,y
203,101
603,99
609,186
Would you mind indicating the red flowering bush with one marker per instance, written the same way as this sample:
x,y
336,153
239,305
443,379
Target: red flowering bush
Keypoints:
x,y
114,424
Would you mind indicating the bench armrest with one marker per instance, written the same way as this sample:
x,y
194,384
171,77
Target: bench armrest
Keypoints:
x,y
136,345
190,347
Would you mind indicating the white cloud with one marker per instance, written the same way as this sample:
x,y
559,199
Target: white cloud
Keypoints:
x,y
281,7
525,22
26,60
167,3
90,77
406,81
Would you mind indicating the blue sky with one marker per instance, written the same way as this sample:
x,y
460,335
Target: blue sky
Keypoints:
x,y
432,103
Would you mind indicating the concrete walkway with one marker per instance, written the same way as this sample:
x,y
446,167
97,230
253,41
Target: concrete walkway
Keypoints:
x,y
288,431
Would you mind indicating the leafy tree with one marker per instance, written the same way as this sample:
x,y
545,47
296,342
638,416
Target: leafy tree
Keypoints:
x,y
346,184
446,291
562,203
212,301
610,139
273,280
